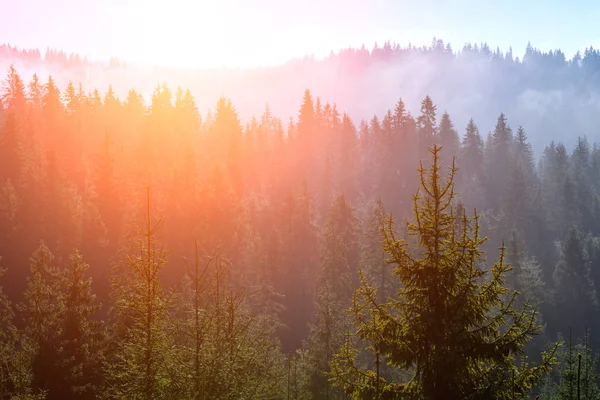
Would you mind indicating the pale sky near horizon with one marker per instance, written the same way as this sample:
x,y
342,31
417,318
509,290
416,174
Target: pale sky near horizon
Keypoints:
x,y
232,33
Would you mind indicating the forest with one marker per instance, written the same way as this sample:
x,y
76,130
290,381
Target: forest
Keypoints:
x,y
151,250
554,95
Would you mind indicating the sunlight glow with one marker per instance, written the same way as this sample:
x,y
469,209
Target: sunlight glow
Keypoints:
x,y
191,33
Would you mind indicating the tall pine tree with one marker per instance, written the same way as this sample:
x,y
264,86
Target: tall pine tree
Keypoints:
x,y
451,323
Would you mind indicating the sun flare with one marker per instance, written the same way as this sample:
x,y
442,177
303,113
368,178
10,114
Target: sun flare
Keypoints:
x,y
181,33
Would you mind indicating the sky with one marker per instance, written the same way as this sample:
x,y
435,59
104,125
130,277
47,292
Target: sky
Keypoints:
x,y
250,33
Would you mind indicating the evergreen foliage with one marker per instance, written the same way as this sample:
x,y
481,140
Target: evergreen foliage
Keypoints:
x,y
451,322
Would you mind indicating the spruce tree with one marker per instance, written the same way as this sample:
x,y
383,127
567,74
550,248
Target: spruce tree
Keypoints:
x,y
227,351
447,138
451,323
78,362
426,125
498,162
575,293
16,375
471,154
519,200
340,252
139,366
42,312
373,258
336,283
13,96
576,377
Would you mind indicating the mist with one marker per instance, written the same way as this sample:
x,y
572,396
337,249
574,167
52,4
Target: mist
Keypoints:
x,y
553,98
266,258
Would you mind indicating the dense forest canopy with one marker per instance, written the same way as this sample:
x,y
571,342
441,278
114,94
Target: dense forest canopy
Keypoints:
x,y
152,248
555,97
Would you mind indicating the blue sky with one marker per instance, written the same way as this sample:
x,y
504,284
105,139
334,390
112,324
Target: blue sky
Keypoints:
x,y
254,32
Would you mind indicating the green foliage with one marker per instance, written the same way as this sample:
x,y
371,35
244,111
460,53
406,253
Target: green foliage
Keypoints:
x,y
340,251
141,365
67,175
576,377
337,280
377,271
42,313
447,138
60,334
325,337
16,376
226,351
575,290
451,323
78,362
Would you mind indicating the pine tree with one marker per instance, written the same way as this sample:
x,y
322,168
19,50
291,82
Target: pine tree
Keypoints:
x,y
556,190
447,137
42,312
581,171
576,377
78,362
426,125
575,297
325,337
140,365
471,163
13,97
228,351
35,93
339,255
300,255
530,282
373,258
337,281
16,377
451,322
11,148
348,163
9,213
499,162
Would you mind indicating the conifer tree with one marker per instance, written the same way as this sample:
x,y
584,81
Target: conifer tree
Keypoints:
x,y
575,297
300,255
35,89
139,367
426,123
451,322
499,162
325,337
337,280
11,147
348,154
16,377
13,96
42,312
228,352
373,258
471,163
576,376
581,171
556,191
339,256
78,362
427,119
518,200
447,138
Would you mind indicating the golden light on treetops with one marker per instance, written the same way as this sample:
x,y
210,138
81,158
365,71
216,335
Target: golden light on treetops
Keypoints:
x,y
155,248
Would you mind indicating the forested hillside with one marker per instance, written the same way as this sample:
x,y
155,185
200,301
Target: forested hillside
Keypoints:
x,y
557,97
154,250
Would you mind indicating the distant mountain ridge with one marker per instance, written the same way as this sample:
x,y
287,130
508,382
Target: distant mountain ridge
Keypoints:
x,y
553,97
